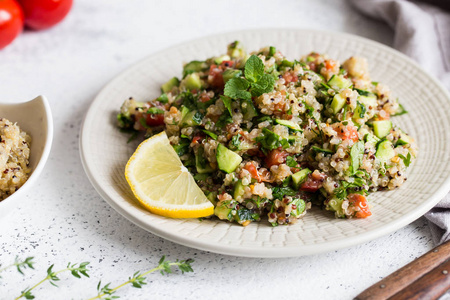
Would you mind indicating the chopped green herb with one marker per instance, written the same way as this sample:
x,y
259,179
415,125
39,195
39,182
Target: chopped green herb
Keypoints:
x,y
406,160
235,141
318,149
401,112
227,102
291,162
280,192
163,98
155,111
211,134
356,156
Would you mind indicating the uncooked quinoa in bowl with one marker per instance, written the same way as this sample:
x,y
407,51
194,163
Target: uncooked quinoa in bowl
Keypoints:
x,y
14,158
267,137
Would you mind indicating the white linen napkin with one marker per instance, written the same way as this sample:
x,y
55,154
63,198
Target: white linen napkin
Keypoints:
x,y
422,32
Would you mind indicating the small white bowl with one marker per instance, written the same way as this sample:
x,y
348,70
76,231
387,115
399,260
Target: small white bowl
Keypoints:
x,y
35,118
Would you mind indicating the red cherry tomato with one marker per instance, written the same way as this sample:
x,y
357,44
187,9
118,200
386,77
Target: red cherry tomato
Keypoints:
x,y
11,21
42,14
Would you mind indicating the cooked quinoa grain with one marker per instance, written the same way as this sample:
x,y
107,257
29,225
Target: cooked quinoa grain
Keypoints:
x,y
14,155
265,136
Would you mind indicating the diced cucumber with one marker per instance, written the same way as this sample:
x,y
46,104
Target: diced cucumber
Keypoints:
x,y
169,85
337,104
404,139
220,59
368,101
192,82
248,109
201,163
335,204
371,138
339,82
289,124
359,111
382,128
227,160
300,177
230,73
239,189
190,118
385,151
223,210
194,66
300,207
236,50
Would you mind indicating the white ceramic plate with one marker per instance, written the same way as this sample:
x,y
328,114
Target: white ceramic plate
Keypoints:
x,y
104,150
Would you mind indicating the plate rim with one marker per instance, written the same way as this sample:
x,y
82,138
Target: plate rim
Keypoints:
x,y
250,251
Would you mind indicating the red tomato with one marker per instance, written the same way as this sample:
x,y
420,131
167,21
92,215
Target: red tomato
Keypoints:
x,y
42,14
215,77
313,183
276,157
290,77
360,202
11,21
154,119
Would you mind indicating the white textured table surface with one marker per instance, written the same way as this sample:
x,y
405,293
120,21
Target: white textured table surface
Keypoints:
x,y
63,219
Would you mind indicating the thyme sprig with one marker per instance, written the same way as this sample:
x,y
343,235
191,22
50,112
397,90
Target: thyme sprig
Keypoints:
x,y
137,280
52,277
19,264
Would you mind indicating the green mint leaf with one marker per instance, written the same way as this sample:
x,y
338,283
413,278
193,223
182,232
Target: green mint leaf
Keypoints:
x,y
227,102
236,88
264,85
254,68
356,155
291,162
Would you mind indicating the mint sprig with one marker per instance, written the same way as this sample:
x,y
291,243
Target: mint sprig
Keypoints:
x,y
255,83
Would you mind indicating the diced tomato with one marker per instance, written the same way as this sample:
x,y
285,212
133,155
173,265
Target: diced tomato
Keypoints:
x,y
226,64
204,98
196,139
347,132
154,119
360,202
313,183
259,176
330,64
215,77
276,157
290,77
253,171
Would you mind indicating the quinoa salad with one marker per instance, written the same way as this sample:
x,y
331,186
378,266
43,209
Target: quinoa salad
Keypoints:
x,y
267,138
14,155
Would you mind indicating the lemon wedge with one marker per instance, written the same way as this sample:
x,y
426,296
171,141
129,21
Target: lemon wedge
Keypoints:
x,y
162,184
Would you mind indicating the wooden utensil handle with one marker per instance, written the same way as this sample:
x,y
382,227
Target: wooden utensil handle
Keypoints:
x,y
430,286
401,278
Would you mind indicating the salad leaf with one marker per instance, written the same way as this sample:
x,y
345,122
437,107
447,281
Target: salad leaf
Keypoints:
x,y
236,88
254,69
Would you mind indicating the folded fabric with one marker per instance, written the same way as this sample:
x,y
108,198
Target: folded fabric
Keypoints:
x,y
422,32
